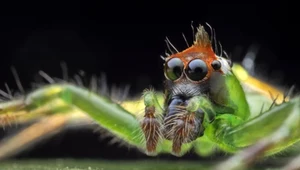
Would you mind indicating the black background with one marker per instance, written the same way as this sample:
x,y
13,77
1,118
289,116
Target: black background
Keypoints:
x,y
124,41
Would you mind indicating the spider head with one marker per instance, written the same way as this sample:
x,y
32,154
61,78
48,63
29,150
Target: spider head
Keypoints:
x,y
188,74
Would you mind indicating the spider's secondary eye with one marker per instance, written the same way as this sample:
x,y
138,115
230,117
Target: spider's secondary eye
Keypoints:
x,y
196,70
216,65
173,68
230,63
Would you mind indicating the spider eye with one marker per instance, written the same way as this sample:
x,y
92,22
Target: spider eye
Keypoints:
x,y
173,69
230,63
196,70
216,65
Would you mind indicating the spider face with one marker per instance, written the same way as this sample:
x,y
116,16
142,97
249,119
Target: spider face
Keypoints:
x,y
188,74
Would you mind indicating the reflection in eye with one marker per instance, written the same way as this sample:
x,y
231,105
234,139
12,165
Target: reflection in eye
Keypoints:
x,y
173,69
196,70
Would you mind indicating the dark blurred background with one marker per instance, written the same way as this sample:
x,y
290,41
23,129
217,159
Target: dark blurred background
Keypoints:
x,y
125,39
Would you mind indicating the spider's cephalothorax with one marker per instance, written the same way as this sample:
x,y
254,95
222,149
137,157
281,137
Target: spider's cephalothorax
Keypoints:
x,y
193,83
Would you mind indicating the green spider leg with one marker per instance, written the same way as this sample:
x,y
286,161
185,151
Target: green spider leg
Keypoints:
x,y
69,99
270,132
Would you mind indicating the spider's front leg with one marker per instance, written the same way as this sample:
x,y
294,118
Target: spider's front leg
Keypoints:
x,y
67,102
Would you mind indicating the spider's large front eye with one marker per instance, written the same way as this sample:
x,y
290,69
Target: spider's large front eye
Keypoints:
x,y
196,70
173,68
